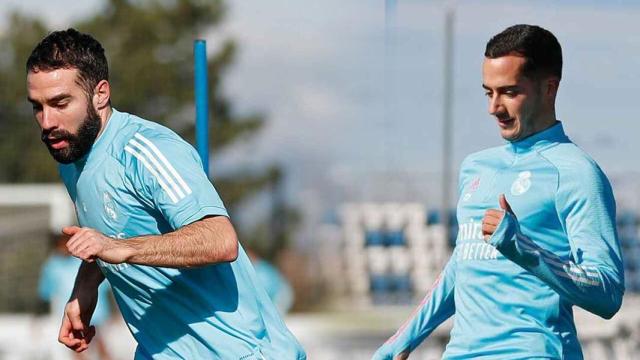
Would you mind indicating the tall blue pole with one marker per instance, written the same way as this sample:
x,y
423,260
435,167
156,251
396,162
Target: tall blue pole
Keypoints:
x,y
447,126
202,102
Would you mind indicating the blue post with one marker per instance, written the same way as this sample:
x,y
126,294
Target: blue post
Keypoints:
x,y
202,102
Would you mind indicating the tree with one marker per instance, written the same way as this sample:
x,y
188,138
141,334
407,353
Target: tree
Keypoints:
x,y
149,49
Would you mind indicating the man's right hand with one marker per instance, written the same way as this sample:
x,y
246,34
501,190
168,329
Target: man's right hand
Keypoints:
x,y
75,331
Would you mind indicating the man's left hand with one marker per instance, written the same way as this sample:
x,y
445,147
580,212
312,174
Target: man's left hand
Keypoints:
x,y
89,244
493,217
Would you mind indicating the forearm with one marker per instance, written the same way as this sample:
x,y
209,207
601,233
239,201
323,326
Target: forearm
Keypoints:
x,y
89,277
590,285
208,241
436,307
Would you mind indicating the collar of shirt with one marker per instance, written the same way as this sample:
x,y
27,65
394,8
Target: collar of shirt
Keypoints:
x,y
549,136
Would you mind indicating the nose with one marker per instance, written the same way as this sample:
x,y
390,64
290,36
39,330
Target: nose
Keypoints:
x,y
47,119
494,104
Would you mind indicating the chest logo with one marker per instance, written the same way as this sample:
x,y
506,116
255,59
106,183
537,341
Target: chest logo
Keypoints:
x,y
109,207
522,184
473,187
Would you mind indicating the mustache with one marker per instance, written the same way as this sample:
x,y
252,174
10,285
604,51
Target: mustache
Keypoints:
x,y
54,135
502,116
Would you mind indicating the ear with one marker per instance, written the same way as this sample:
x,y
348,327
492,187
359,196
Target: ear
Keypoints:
x,y
102,95
551,87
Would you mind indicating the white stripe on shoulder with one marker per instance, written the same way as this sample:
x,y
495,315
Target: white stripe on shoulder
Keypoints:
x,y
173,171
158,167
144,161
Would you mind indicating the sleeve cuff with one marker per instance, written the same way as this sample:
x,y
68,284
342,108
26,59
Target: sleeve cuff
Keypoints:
x,y
181,221
506,230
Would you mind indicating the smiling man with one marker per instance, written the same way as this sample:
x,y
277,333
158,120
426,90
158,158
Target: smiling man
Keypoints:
x,y
537,225
152,223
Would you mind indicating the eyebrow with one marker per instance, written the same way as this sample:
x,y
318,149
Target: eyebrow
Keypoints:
x,y
54,99
501,88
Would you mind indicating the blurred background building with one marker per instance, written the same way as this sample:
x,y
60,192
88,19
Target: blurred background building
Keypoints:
x,y
327,144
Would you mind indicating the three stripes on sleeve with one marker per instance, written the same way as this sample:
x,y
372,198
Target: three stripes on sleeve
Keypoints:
x,y
158,165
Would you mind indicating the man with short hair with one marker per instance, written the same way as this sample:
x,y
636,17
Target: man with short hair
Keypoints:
x,y
537,225
152,223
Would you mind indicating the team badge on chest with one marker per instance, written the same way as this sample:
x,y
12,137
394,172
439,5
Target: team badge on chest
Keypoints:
x,y
522,184
109,207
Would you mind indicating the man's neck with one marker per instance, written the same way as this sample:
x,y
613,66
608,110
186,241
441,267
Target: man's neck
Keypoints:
x,y
545,121
545,125
104,114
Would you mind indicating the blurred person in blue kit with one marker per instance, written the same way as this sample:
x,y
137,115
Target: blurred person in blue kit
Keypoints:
x,y
56,284
537,229
151,222
276,285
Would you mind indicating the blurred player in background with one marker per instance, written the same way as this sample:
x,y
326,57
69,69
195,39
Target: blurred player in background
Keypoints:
x,y
276,285
152,222
55,287
537,225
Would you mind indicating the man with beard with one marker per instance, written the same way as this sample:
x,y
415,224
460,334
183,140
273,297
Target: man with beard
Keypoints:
x,y
521,264
152,223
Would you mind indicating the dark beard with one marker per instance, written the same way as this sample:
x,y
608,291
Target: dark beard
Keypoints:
x,y
80,143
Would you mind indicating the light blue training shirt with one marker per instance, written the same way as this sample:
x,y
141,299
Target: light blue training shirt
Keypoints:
x,y
140,178
512,296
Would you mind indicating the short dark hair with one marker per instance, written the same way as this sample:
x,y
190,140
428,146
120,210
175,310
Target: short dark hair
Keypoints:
x,y
71,49
538,46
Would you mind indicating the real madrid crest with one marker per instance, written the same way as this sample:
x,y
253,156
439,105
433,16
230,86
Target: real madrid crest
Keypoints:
x,y
522,184
109,207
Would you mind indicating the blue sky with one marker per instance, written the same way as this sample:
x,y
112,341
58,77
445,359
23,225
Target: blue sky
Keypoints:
x,y
319,70
339,110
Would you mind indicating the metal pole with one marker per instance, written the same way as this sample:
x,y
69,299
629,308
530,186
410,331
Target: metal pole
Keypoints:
x,y
447,116
202,102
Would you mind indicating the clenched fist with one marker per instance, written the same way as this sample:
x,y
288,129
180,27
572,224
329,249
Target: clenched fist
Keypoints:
x,y
493,217
75,332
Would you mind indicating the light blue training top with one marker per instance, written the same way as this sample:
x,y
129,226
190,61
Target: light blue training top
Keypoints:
x,y
512,297
140,178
